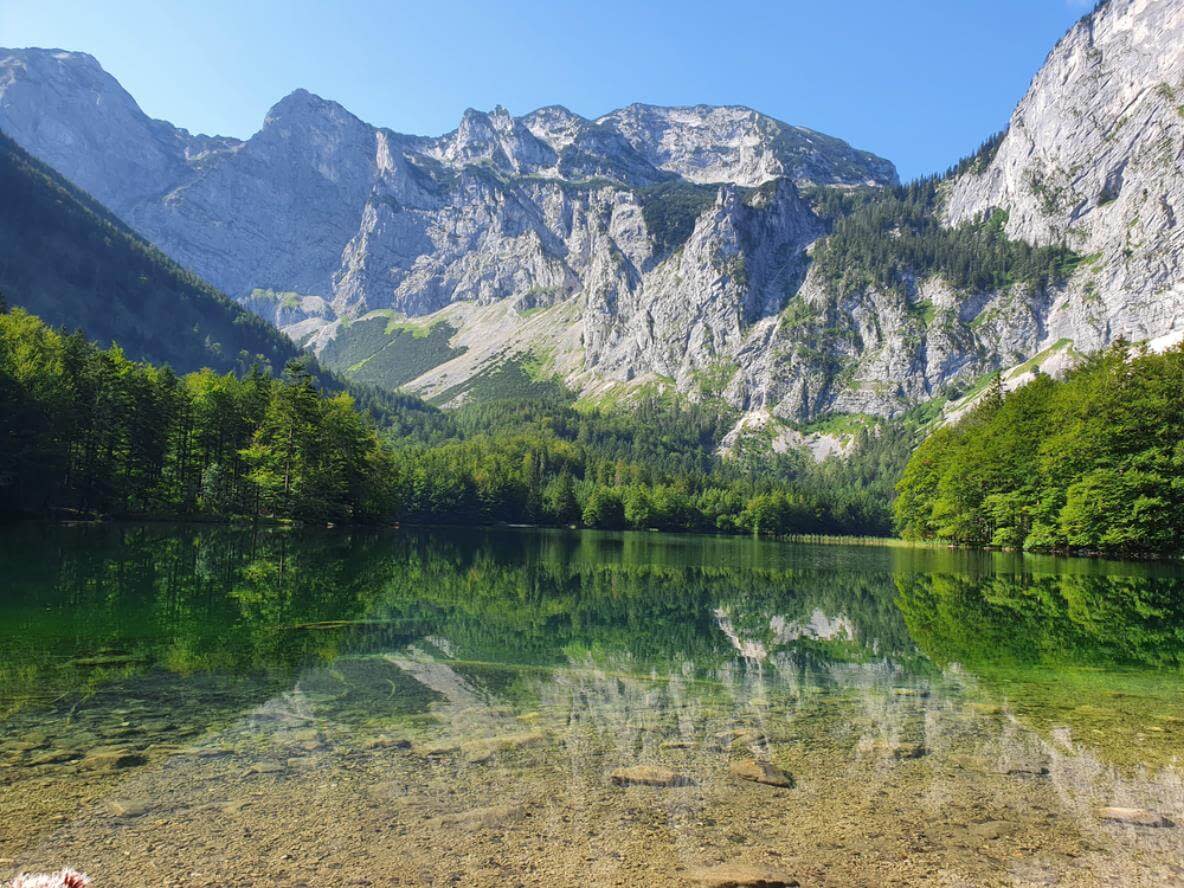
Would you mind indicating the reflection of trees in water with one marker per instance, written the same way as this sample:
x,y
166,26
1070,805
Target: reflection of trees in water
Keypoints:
x,y
1068,619
233,600
1090,660
216,598
126,598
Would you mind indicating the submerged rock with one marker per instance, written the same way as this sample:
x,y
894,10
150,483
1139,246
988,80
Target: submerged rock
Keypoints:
x,y
265,768
475,818
477,751
734,737
759,771
1026,769
899,750
481,749
992,829
128,807
908,750
738,875
1134,817
648,775
113,759
385,742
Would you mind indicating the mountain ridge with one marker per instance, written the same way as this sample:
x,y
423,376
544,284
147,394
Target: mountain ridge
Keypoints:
x,y
663,245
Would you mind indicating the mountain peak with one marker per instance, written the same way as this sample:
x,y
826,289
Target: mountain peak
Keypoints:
x,y
51,55
76,71
733,143
299,102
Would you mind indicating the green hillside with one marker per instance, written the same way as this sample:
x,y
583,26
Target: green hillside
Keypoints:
x,y
67,259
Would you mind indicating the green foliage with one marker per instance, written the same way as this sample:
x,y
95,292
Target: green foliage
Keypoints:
x,y
70,261
670,211
532,456
890,237
886,237
1091,463
517,378
86,430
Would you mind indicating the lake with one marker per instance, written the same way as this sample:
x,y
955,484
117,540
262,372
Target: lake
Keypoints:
x,y
208,706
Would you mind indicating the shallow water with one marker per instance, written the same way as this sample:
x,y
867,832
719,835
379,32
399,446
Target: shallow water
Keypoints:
x,y
206,706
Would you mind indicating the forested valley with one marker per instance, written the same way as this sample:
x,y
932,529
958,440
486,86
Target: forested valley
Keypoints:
x,y
85,431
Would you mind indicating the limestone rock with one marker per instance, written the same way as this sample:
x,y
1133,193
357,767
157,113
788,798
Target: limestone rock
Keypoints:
x,y
113,759
648,775
1093,158
483,749
653,244
478,818
1134,817
128,807
760,771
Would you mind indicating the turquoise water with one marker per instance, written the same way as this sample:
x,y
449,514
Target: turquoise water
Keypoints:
x,y
213,706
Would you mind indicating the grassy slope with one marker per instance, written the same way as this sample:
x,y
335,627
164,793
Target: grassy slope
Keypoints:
x,y
375,352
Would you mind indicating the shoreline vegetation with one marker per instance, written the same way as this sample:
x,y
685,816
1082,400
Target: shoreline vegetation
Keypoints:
x,y
1091,463
85,431
817,539
87,434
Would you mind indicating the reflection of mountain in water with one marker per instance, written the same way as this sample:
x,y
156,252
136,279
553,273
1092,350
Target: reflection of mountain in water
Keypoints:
x,y
119,600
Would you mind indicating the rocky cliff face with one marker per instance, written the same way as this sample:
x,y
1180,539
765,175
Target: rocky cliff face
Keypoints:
x,y
1094,157
655,237
665,244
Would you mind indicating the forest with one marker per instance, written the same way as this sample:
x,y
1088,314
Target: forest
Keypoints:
x,y
86,431
1094,462
881,237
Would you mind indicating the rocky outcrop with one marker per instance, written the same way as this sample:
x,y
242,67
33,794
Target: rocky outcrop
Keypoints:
x,y
738,145
1094,157
320,216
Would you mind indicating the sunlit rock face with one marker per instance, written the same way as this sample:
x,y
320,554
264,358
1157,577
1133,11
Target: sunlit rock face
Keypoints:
x,y
667,245
1094,157
666,232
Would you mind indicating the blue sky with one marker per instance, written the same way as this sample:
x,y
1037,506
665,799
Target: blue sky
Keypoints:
x,y
921,83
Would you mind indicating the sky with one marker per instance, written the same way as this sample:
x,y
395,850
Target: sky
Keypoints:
x,y
921,83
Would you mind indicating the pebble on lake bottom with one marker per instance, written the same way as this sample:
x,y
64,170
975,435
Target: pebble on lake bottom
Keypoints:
x,y
732,875
648,775
759,771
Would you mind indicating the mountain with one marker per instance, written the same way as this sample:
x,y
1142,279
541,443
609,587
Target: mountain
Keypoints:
x,y
599,242
713,249
66,258
1094,157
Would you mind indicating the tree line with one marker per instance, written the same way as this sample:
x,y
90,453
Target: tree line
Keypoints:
x,y
1094,462
86,431
887,237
